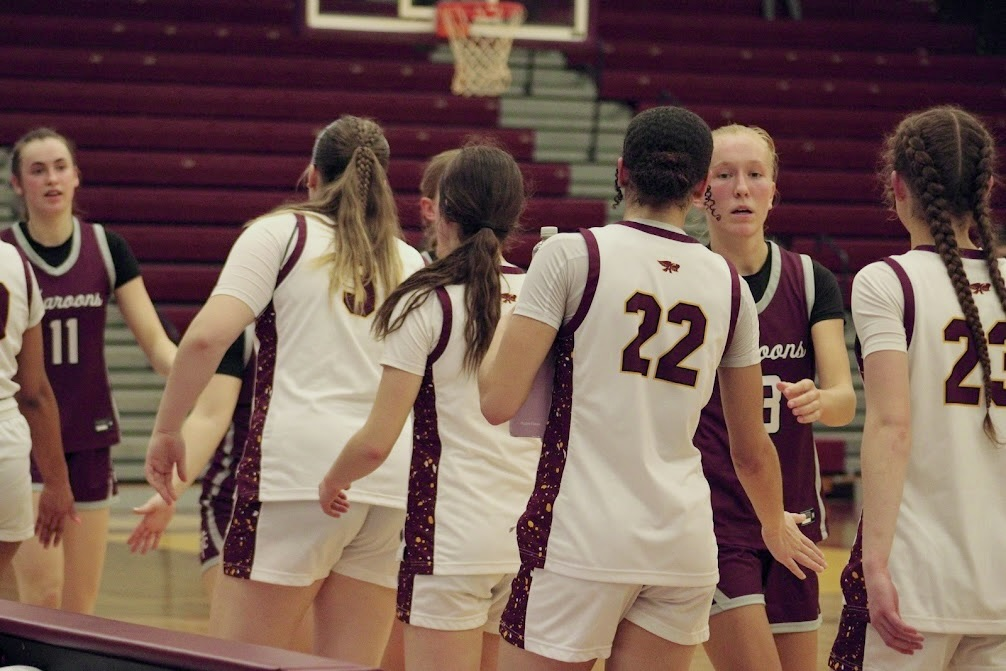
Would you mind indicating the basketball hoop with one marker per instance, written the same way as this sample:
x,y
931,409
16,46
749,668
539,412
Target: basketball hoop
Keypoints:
x,y
481,35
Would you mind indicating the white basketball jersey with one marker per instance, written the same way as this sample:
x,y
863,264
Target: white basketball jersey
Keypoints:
x,y
469,480
946,560
20,310
317,371
620,495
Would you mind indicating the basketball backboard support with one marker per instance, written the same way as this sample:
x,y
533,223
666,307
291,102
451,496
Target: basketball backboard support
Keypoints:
x,y
547,20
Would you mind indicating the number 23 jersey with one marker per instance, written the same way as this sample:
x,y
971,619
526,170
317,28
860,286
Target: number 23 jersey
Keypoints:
x,y
948,542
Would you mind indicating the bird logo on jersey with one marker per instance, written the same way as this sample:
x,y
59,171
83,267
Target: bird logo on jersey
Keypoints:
x,y
980,287
669,266
509,298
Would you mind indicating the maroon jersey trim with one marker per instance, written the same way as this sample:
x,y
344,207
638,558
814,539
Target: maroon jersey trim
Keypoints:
x,y
735,304
906,287
593,273
662,232
535,524
29,285
445,330
511,270
420,506
964,253
300,230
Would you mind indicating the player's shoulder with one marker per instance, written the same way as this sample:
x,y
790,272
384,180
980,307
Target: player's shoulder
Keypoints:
x,y
8,249
410,256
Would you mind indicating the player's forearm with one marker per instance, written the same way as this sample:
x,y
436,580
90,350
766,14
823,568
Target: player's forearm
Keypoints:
x,y
360,457
194,365
759,473
42,414
884,460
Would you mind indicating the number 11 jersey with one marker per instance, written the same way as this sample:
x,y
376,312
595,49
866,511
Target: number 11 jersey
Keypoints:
x,y
75,294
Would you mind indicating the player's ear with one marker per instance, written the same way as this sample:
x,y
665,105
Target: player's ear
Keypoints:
x,y
427,211
313,178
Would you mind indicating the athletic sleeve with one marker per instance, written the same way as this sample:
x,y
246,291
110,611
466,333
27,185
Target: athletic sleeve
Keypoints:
x,y
126,266
555,281
878,309
233,363
744,349
254,262
828,303
409,347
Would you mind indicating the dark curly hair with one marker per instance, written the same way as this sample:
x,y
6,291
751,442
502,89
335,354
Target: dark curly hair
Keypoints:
x,y
666,152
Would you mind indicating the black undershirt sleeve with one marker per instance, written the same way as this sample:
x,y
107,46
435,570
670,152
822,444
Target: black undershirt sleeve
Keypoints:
x,y
233,363
126,266
828,302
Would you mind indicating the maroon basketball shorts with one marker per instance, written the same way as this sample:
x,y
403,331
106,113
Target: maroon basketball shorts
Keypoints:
x,y
214,517
91,478
749,576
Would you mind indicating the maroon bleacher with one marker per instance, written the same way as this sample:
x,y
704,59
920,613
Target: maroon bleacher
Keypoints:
x,y
343,74
864,32
646,56
202,36
184,100
795,93
253,171
292,138
124,204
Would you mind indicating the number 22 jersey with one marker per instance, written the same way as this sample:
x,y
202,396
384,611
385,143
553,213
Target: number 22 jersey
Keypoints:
x,y
645,316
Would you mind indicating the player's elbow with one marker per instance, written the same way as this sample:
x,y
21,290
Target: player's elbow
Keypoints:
x,y
496,410
374,453
752,454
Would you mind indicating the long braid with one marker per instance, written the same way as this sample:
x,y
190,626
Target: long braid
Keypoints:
x,y
364,158
936,210
354,198
980,209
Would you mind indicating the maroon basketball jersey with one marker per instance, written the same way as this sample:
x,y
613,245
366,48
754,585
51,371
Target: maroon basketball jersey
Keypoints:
x,y
75,294
787,355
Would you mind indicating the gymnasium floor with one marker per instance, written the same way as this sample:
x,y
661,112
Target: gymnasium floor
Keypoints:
x,y
162,588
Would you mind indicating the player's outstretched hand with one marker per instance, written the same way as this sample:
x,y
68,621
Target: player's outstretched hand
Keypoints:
x,y
165,453
792,548
156,514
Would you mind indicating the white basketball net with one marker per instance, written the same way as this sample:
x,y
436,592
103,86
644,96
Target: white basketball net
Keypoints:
x,y
481,44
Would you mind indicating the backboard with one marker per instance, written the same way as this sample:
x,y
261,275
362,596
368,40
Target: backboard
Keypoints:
x,y
547,20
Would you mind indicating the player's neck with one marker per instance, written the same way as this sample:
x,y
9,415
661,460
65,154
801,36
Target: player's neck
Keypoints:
x,y
921,235
51,232
746,254
675,216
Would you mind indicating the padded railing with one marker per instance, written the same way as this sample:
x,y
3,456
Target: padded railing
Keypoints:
x,y
59,641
